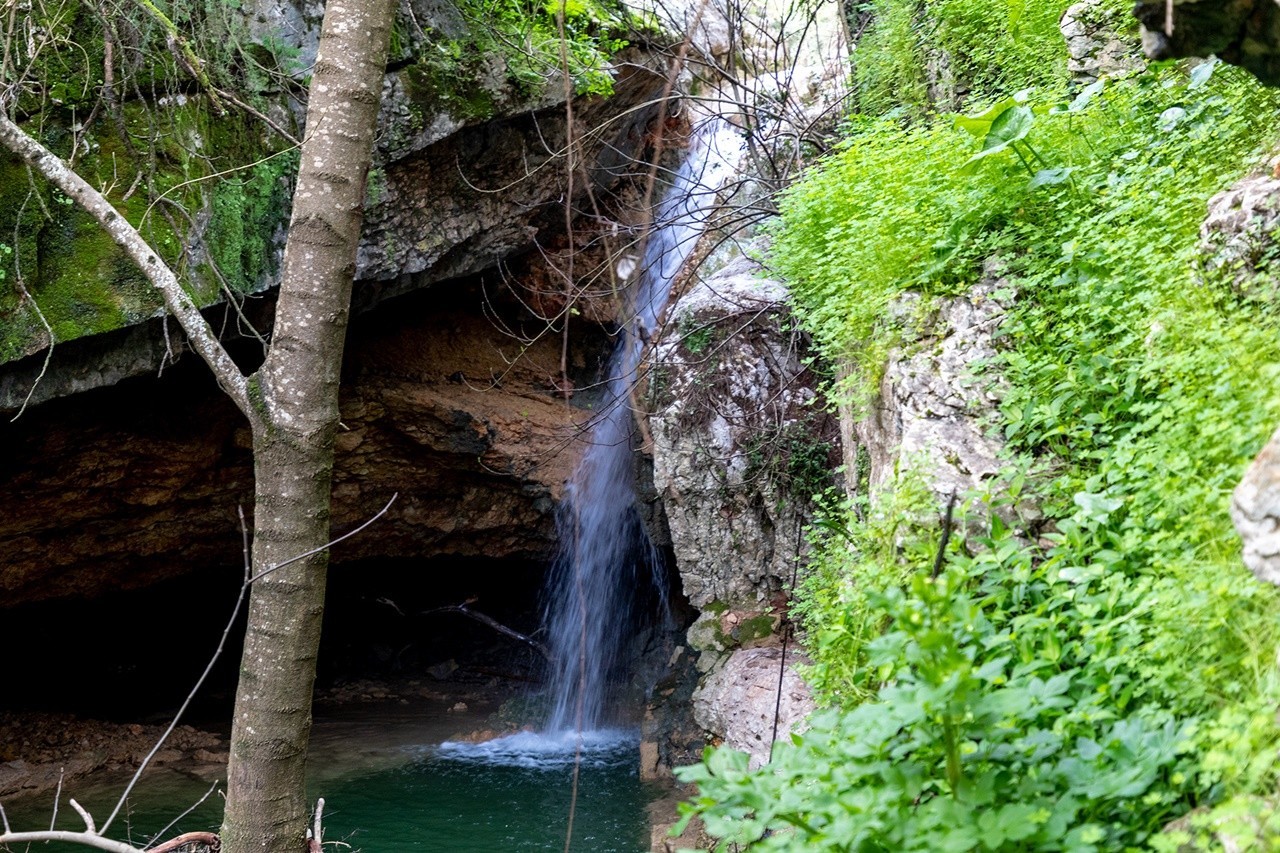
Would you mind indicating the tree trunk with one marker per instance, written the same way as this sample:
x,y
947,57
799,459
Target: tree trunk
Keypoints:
x,y
295,397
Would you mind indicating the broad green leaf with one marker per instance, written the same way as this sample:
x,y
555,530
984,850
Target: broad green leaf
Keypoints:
x,y
1051,177
1203,72
1087,94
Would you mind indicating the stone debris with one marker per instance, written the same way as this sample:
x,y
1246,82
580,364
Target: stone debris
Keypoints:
x,y
36,750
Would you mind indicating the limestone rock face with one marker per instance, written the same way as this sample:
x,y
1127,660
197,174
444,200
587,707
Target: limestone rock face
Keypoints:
x,y
706,25
456,196
733,424
1255,509
739,448
1238,235
930,410
466,177
737,701
1238,241
1242,32
1095,44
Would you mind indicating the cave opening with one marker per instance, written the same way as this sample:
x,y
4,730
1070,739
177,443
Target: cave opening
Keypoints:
x,y
133,655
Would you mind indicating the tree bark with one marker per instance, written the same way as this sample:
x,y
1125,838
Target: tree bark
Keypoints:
x,y
295,400
292,407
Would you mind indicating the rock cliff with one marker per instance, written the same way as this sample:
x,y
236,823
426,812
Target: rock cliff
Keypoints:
x,y
453,397
741,444
121,487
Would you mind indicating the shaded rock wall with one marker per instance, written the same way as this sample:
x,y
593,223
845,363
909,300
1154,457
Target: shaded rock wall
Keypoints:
x,y
122,487
453,193
1242,32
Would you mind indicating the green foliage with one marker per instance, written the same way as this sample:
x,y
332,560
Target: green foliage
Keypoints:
x,y
1081,687
198,181
527,34
982,47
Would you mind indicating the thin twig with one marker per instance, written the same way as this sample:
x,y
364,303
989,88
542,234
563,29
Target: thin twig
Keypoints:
x,y
57,797
171,824
207,838
325,546
492,623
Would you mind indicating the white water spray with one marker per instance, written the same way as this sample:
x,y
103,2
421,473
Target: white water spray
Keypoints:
x,y
603,541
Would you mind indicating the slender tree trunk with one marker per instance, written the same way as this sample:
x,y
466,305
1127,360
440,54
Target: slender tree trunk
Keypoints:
x,y
292,406
295,397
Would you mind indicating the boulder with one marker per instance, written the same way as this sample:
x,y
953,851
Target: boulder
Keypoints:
x,y
1255,509
739,441
1238,236
738,700
935,397
1238,242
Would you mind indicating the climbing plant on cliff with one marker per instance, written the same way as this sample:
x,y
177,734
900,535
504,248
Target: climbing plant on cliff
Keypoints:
x,y
1081,681
290,403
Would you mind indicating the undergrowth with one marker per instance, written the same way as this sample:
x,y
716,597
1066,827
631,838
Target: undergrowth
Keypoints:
x,y
1081,682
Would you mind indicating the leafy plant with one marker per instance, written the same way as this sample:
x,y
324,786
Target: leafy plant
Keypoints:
x,y
1081,686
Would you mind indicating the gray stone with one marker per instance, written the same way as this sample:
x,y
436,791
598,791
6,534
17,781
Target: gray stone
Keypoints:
x,y
1238,235
737,701
1096,42
705,22
731,391
935,397
1255,509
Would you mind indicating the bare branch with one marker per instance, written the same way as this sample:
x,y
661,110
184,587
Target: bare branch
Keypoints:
x,y
84,838
85,816
171,824
492,623
207,838
260,575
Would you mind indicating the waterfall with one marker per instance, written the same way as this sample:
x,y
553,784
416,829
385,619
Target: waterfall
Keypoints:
x,y
604,545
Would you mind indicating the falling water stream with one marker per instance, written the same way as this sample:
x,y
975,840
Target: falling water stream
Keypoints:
x,y
604,545
388,792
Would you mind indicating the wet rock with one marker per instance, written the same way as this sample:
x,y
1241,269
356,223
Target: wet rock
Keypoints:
x,y
49,749
664,814
705,24
736,702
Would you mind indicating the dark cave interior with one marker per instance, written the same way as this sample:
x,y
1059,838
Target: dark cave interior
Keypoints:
x,y
133,655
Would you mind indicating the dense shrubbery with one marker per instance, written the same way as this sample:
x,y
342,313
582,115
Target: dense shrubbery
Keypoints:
x,y
982,47
1081,691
